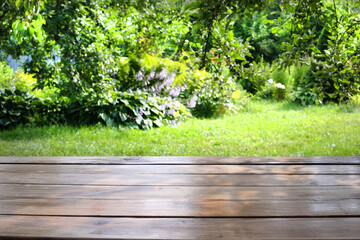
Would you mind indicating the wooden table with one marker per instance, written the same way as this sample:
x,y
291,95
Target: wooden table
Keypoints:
x,y
179,198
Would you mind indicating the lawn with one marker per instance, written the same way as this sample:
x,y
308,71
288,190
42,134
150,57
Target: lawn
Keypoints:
x,y
262,129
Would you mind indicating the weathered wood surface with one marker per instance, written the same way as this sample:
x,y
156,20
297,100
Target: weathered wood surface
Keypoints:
x,y
179,228
179,198
184,169
183,160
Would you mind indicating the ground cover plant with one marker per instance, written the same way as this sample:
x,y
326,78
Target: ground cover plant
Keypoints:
x,y
265,128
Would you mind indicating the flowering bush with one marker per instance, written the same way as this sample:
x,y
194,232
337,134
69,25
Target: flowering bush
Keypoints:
x,y
157,79
210,94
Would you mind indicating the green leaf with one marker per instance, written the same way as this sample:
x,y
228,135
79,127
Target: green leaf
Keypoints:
x,y
17,3
274,29
122,117
107,119
158,123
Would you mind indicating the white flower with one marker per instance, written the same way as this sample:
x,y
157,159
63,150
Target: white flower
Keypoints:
x,y
270,81
279,85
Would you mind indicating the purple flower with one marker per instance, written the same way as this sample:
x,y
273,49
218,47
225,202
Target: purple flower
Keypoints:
x,y
175,92
139,76
171,112
162,75
162,107
192,102
170,79
151,75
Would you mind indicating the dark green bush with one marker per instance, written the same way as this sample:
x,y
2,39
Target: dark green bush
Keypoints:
x,y
301,75
15,108
304,96
134,109
256,79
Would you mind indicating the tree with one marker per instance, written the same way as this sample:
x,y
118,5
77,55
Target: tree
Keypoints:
x,y
89,35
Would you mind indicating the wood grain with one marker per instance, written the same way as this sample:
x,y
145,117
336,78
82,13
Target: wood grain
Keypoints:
x,y
26,227
8,191
182,160
183,169
178,180
180,208
179,198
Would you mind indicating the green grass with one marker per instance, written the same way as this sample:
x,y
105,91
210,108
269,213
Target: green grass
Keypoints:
x,y
264,129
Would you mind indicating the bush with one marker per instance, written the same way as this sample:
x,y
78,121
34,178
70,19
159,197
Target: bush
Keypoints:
x,y
211,94
283,84
134,109
6,75
301,75
304,96
355,100
15,108
18,80
259,74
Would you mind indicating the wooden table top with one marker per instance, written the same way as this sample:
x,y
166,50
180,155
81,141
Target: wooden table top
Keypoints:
x,y
179,198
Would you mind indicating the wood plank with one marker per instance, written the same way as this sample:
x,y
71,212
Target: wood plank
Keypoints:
x,y
170,228
25,227
180,208
182,160
199,193
178,180
183,169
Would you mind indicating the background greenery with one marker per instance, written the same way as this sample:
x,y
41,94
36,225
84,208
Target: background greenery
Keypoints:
x,y
145,64
263,129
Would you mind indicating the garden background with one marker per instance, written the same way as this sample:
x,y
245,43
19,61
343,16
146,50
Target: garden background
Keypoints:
x,y
180,77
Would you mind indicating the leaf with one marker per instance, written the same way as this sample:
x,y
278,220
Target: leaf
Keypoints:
x,y
158,123
148,123
17,3
274,29
107,119
122,117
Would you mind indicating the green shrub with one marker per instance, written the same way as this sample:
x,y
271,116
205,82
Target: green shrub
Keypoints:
x,y
6,75
23,81
50,111
259,74
304,96
282,77
15,108
19,79
241,98
134,109
355,100
301,75
211,94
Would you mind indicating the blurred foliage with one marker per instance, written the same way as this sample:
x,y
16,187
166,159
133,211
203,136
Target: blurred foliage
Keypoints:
x,y
16,108
143,62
